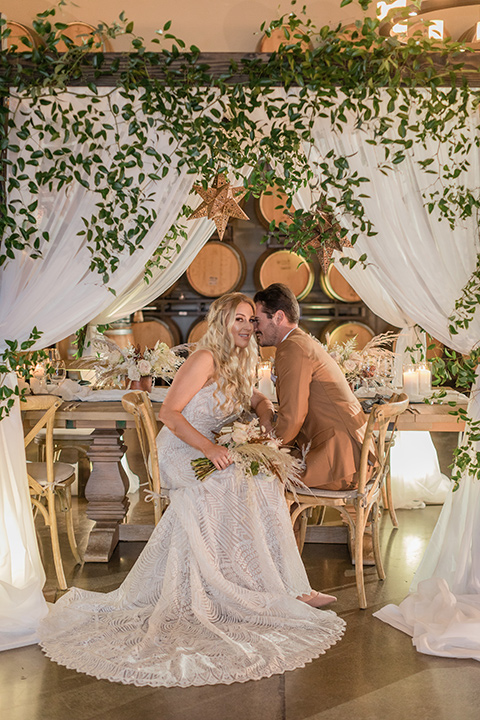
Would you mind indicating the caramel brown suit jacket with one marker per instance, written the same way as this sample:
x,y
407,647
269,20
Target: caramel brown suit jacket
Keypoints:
x,y
317,406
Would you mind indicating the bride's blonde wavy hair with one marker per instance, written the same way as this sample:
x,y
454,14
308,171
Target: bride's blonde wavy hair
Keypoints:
x,y
234,367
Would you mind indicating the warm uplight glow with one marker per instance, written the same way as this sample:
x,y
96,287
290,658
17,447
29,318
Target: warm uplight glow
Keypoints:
x,y
413,547
383,8
477,33
435,30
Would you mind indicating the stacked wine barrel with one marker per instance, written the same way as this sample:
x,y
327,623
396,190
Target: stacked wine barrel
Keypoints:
x,y
242,263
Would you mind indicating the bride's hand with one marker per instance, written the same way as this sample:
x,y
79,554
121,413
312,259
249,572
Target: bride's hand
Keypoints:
x,y
219,456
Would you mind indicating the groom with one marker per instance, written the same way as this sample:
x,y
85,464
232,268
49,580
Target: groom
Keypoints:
x,y
316,404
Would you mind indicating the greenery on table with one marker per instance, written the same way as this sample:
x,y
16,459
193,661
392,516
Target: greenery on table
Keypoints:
x,y
20,358
395,89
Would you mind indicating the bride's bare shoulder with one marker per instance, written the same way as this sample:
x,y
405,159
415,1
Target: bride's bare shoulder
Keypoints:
x,y
202,358
200,364
196,371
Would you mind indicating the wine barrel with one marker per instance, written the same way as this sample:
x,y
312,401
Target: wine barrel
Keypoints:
x,y
18,31
148,333
79,33
283,266
120,332
271,206
277,38
218,268
197,330
341,331
336,287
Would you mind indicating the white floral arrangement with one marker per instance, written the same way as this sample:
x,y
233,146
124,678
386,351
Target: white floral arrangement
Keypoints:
x,y
113,363
374,363
253,451
130,362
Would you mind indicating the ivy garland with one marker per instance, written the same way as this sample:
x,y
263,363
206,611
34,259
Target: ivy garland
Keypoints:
x,y
407,93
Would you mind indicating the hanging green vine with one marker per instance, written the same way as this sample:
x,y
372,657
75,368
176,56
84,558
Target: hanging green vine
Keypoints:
x,y
211,122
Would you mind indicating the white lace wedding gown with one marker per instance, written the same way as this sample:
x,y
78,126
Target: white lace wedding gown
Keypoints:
x,y
212,597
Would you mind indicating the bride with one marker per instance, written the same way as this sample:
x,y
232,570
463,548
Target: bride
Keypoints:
x,y
219,594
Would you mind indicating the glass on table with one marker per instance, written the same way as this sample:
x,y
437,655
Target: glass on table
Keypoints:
x,y
58,372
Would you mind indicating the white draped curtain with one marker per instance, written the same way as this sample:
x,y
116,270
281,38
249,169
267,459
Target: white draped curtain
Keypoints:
x,y
421,264
140,293
58,293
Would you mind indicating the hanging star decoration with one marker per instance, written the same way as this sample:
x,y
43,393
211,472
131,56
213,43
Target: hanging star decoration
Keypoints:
x,y
325,236
220,202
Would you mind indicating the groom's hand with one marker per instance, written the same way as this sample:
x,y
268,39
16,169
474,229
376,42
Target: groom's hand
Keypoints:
x,y
267,426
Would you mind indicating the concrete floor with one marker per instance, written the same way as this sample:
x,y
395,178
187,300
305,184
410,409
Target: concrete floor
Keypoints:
x,y
373,673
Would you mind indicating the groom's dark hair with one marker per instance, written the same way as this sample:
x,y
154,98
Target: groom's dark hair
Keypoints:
x,y
279,297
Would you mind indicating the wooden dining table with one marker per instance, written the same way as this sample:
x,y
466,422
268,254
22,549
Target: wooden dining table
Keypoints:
x,y
107,486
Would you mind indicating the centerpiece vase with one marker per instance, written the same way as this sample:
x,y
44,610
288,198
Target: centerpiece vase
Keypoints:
x,y
145,383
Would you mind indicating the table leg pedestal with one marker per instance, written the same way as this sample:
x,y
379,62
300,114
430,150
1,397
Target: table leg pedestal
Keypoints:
x,y
106,492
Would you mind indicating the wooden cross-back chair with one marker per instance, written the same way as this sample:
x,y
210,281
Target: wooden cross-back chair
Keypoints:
x,y
365,498
138,404
50,481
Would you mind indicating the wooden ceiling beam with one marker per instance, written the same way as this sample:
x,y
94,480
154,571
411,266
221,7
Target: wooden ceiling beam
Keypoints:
x,y
219,64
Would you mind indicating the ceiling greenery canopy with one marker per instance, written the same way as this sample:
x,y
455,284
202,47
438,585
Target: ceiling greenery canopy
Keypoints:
x,y
209,105
222,114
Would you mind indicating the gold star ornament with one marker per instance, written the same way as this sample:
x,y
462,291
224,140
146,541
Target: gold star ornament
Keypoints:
x,y
325,237
220,202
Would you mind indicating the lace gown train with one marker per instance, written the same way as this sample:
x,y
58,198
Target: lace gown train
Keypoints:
x,y
212,597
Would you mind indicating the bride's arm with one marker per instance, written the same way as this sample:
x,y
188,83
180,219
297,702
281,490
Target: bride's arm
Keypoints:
x,y
195,372
263,409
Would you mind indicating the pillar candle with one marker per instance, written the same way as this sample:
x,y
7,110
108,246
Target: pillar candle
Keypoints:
x,y
424,379
410,382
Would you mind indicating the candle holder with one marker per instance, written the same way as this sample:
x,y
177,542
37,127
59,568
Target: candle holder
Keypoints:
x,y
417,380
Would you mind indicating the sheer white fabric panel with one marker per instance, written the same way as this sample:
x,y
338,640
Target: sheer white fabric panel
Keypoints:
x,y
442,613
58,294
424,264
420,262
78,294
139,293
454,550
21,571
